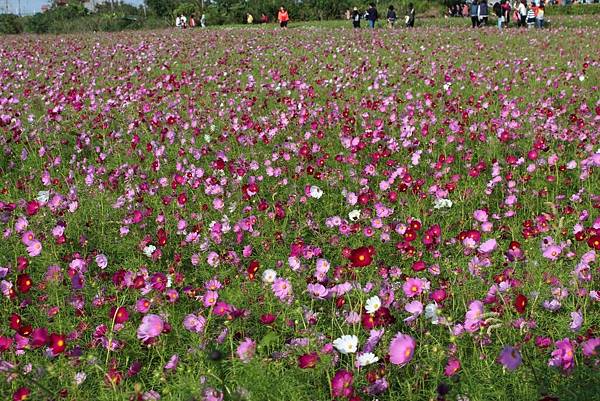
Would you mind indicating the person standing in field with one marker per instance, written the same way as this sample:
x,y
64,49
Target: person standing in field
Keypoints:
x,y
506,8
409,19
192,21
283,17
183,21
203,21
356,18
178,22
499,13
539,18
474,12
530,16
249,19
372,15
482,13
391,17
522,9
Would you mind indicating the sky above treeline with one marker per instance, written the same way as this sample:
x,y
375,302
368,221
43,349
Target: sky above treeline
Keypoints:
x,y
33,6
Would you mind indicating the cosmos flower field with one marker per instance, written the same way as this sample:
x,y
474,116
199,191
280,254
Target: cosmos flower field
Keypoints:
x,y
309,214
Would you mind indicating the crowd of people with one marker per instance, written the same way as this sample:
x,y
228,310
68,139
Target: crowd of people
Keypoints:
x,y
182,22
371,15
524,14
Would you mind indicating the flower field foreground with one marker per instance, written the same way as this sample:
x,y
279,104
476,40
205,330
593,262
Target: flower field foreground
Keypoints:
x,y
301,215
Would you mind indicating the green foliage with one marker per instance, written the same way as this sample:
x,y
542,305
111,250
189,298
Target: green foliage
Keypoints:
x,y
10,24
187,9
162,8
56,19
576,9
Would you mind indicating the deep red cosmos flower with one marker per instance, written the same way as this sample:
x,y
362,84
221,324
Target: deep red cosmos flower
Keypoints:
x,y
252,269
21,394
308,361
363,256
24,283
15,321
120,315
58,343
161,236
268,318
520,303
594,242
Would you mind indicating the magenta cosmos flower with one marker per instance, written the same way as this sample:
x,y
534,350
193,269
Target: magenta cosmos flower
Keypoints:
x,y
341,384
563,356
151,327
402,349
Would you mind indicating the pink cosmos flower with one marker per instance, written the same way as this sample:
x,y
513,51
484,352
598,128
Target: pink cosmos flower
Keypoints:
x,y
413,287
282,289
415,308
194,323
552,252
150,328
172,363
210,298
452,367
21,224
563,355
34,248
480,215
27,238
246,349
101,261
488,246
473,316
591,347
142,305
576,321
402,349
317,291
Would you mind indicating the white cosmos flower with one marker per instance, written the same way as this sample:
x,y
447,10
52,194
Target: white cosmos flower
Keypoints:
x,y
582,78
354,215
43,196
315,192
373,304
431,312
149,250
207,138
347,344
442,203
269,276
366,359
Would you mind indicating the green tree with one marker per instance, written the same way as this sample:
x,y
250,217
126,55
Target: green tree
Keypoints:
x,y
162,8
10,24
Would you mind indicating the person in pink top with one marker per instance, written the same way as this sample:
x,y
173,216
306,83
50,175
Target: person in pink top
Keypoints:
x,y
283,17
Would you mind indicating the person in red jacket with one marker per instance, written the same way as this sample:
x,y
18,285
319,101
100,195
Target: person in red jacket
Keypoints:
x,y
283,17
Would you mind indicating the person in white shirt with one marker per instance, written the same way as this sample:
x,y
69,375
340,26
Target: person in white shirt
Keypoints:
x,y
178,22
522,9
183,21
203,21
